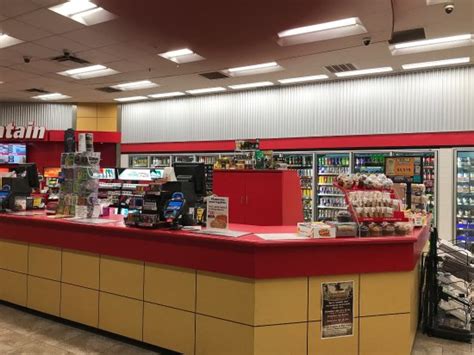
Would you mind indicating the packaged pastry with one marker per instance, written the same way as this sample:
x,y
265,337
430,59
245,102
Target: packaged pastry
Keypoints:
x,y
388,229
343,216
375,229
348,229
364,230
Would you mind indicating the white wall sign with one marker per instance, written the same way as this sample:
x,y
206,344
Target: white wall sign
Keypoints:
x,y
217,212
13,132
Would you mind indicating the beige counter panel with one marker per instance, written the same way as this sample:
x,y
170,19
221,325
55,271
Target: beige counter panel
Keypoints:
x,y
388,335
122,277
219,337
226,297
14,256
332,346
385,293
81,269
44,295
279,301
169,328
121,315
280,339
80,305
13,287
44,262
170,286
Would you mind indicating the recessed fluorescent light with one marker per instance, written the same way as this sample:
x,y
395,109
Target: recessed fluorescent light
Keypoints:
x,y
251,85
303,79
205,90
135,85
51,97
432,44
131,98
7,41
436,63
322,31
253,69
91,71
83,11
364,72
167,94
180,56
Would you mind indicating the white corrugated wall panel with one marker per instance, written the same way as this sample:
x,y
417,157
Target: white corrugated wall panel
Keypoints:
x,y
51,116
439,100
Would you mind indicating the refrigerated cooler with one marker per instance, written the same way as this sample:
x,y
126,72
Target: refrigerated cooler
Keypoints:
x,y
464,180
303,164
160,160
328,199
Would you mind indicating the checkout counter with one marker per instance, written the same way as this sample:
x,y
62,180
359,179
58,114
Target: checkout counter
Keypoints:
x,y
213,295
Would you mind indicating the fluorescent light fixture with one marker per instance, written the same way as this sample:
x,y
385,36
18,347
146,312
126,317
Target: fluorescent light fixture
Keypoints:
x,y
433,44
303,79
91,71
364,72
180,56
253,69
167,94
322,31
135,85
436,63
83,11
51,97
205,90
436,2
7,41
130,98
251,85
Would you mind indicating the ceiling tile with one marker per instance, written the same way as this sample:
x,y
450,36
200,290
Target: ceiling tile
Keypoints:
x,y
11,8
60,43
50,21
33,50
49,3
22,31
92,38
14,75
96,56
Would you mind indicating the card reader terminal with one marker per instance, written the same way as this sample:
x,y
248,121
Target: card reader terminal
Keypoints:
x,y
174,208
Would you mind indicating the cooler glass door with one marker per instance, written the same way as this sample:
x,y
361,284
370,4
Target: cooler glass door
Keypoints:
x,y
464,183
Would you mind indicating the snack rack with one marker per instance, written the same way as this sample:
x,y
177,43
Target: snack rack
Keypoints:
x,y
398,216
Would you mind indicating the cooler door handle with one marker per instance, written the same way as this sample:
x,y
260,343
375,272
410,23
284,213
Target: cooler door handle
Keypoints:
x,y
241,200
246,200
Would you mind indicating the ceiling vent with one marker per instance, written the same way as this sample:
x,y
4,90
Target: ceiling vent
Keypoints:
x,y
37,91
108,89
339,68
67,56
214,75
414,34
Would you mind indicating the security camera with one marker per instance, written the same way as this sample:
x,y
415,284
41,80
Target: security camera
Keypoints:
x,y
26,59
366,41
449,8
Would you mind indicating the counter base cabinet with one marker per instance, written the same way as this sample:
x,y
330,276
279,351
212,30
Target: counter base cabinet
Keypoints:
x,y
261,197
210,314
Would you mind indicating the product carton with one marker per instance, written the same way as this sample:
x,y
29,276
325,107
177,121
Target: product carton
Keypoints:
x,y
316,230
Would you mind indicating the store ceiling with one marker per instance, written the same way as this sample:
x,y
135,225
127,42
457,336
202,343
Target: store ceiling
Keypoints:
x,y
226,33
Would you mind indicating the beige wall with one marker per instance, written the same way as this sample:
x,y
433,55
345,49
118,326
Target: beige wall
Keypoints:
x,y
446,193
96,117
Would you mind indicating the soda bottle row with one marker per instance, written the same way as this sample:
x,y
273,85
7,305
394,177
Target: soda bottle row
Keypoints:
x,y
332,202
328,160
326,179
370,160
324,190
327,214
333,169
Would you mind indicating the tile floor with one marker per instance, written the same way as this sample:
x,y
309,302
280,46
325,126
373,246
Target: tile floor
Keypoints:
x,y
25,333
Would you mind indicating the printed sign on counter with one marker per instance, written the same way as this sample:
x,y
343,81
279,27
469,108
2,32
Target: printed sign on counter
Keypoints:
x,y
217,212
337,309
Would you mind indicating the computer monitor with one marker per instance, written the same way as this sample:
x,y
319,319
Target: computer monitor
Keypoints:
x,y
30,172
192,172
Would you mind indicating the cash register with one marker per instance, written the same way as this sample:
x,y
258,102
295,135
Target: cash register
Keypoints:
x,y
15,192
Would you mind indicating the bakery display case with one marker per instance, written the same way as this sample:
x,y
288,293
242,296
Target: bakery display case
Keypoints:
x,y
303,164
464,201
328,199
183,158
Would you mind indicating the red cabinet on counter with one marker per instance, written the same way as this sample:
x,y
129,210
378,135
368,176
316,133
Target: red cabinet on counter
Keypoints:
x,y
261,197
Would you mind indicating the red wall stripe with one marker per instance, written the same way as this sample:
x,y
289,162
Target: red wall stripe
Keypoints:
x,y
408,140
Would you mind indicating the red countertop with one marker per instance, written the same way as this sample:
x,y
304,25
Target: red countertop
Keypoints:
x,y
247,256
